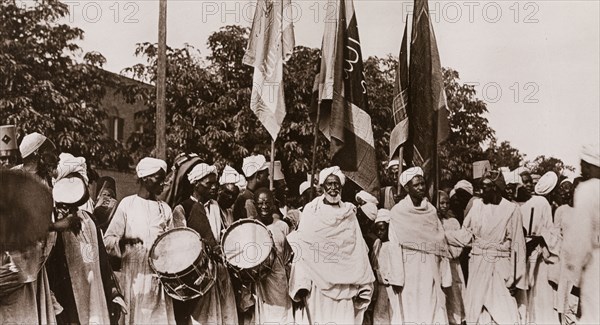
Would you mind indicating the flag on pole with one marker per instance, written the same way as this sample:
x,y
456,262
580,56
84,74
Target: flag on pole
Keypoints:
x,y
341,92
399,133
271,43
427,113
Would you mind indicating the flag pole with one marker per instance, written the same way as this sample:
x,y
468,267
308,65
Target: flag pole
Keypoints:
x,y
272,173
314,156
400,160
161,111
436,162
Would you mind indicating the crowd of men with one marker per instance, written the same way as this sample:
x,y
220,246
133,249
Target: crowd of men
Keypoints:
x,y
506,248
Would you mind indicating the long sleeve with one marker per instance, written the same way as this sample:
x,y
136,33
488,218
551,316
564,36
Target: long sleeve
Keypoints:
x,y
299,280
115,231
179,220
391,264
518,255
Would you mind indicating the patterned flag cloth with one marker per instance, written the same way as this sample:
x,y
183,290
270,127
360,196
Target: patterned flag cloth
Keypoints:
x,y
341,92
399,133
271,43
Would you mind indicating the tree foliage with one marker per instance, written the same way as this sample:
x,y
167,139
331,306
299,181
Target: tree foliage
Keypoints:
x,y
504,155
42,86
542,164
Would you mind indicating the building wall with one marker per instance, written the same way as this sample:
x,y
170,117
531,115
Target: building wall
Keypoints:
x,y
116,107
126,182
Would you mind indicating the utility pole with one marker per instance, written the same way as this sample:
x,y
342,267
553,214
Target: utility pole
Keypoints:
x,y
161,111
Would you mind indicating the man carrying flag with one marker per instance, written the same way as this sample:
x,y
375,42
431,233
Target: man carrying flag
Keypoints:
x,y
341,89
271,42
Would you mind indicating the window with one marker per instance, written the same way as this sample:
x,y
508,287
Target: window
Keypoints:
x,y
115,128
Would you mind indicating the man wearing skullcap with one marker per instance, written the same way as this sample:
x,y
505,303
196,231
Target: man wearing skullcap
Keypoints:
x,y
32,302
494,229
256,170
336,284
527,180
582,240
537,222
417,236
138,221
461,199
389,194
388,272
202,213
9,151
366,213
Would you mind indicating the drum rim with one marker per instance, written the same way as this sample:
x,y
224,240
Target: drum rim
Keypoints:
x,y
228,230
187,269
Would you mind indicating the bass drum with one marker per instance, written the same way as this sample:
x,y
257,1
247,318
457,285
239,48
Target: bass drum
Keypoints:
x,y
179,259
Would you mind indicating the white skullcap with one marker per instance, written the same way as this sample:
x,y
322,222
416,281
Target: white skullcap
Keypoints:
x,y
253,164
463,185
200,171
392,163
31,143
546,183
367,197
409,174
229,176
370,210
148,166
334,170
590,153
69,164
303,187
383,215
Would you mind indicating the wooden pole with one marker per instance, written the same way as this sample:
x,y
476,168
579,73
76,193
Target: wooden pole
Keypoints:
x,y
161,112
272,173
314,156
436,162
400,160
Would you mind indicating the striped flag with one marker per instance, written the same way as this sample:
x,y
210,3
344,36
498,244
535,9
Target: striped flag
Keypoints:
x,y
399,133
341,92
271,43
427,113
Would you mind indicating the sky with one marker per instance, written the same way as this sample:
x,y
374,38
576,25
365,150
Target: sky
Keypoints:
x,y
536,64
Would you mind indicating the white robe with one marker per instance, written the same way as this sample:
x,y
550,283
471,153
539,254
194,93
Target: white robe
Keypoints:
x,y
417,239
582,249
456,293
498,258
136,217
389,271
540,296
331,262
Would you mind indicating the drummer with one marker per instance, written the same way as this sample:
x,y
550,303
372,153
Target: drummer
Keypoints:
x,y
135,226
201,213
272,305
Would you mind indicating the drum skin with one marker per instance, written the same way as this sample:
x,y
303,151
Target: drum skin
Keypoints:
x,y
248,249
179,259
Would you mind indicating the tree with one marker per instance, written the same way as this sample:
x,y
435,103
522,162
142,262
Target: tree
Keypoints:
x,y
43,88
542,164
504,155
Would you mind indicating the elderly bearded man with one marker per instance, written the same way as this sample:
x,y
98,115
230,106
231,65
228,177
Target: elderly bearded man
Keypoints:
x,y
331,272
494,229
417,235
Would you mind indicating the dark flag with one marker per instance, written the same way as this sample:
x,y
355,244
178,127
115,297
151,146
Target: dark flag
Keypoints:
x,y
427,112
341,92
399,134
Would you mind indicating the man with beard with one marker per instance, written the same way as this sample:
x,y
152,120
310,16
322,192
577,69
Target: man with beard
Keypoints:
x,y
135,226
331,273
494,229
582,240
202,213
389,194
418,235
256,170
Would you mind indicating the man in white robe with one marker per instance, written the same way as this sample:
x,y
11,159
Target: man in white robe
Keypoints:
x,y
582,240
331,272
135,226
493,228
417,236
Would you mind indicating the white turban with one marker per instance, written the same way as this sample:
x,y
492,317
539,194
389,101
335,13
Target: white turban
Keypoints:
x,y
464,185
546,183
393,163
242,183
590,153
367,197
513,177
253,164
229,176
383,215
31,143
148,166
303,187
334,170
409,174
568,179
200,171
69,164
370,210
